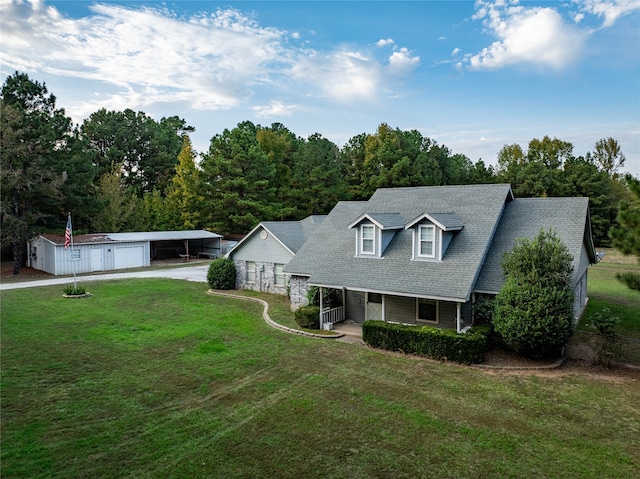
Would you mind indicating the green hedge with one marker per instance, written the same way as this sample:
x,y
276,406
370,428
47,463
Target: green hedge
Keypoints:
x,y
428,341
308,317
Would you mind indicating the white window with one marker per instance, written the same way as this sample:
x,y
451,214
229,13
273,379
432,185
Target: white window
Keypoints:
x,y
427,243
279,272
74,254
427,310
367,233
251,272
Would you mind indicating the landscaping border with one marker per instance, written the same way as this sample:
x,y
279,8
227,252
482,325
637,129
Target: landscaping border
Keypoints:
x,y
271,322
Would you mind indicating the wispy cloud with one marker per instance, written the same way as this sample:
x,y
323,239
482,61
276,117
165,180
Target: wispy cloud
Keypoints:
x,y
343,75
609,10
144,55
274,109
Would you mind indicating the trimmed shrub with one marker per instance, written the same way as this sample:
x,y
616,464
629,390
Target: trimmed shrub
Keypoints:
x,y
536,321
222,274
308,317
443,344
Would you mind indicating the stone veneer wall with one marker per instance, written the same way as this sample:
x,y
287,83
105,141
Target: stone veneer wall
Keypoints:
x,y
298,292
265,278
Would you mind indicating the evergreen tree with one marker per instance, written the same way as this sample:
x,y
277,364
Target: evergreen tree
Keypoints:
x,y
238,182
317,183
35,152
146,150
119,205
626,233
534,308
184,204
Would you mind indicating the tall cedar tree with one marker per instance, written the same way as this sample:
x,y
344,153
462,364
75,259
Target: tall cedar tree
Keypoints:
x,y
183,201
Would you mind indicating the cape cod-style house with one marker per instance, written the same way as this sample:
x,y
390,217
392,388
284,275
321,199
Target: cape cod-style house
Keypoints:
x,y
421,255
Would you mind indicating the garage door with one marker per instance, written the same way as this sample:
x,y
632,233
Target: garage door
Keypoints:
x,y
129,257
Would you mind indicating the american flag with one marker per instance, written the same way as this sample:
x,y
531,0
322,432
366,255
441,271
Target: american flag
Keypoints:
x,y
67,234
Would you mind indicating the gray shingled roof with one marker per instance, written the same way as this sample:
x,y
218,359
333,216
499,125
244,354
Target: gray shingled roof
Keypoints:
x,y
292,234
386,221
446,221
523,218
328,256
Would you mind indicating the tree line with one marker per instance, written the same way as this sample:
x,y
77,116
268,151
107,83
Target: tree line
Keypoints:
x,y
125,171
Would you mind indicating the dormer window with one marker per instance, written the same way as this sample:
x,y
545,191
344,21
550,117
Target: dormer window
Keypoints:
x,y
367,235
374,232
432,234
427,240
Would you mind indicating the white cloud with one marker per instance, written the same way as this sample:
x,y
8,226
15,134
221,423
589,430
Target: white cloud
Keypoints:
x,y
401,62
383,43
274,109
207,61
342,75
455,52
539,34
535,35
135,56
610,10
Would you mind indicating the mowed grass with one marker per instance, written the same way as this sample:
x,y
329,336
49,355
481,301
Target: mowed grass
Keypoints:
x,y
154,378
605,291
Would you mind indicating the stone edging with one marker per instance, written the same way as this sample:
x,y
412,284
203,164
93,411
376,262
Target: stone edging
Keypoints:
x,y
271,322
555,365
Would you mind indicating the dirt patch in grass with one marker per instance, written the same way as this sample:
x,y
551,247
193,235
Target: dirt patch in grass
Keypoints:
x,y
26,274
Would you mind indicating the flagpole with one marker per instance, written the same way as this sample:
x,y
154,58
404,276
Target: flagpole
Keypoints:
x,y
68,236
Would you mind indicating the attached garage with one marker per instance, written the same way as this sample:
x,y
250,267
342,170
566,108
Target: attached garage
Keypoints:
x,y
115,251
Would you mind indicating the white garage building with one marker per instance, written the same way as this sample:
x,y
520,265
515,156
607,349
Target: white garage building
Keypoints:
x,y
113,251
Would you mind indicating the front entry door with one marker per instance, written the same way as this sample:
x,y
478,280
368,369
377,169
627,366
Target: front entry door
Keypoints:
x,y
374,307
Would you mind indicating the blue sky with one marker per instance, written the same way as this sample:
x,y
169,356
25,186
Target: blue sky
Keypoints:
x,y
473,76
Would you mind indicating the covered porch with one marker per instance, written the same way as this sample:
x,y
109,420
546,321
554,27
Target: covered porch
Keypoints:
x,y
358,306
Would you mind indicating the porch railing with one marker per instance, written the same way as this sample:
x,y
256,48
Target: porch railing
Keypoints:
x,y
333,315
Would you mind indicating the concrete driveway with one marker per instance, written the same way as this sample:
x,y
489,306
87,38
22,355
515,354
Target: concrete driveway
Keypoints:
x,y
187,273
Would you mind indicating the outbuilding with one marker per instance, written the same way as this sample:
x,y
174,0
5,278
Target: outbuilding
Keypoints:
x,y
114,251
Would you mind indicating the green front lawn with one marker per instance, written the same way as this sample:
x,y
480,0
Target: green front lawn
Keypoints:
x,y
155,378
605,290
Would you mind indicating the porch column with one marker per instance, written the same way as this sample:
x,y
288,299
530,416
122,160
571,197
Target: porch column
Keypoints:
x,y
344,303
321,308
458,328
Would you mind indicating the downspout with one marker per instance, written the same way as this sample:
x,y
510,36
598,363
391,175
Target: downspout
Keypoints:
x,y
458,328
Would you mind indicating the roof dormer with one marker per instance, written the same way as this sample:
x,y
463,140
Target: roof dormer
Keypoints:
x,y
432,234
374,232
